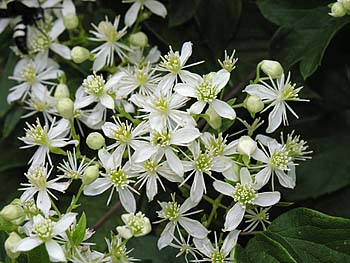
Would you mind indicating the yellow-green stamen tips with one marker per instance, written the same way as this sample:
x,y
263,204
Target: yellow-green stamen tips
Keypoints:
x,y
119,178
172,211
43,229
28,73
280,159
203,162
94,84
244,194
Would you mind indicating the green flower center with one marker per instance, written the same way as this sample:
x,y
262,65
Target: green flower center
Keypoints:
x,y
37,134
122,133
43,229
141,76
206,91
172,62
108,30
30,208
136,224
161,139
28,73
217,256
289,92
161,104
94,84
40,43
150,166
244,194
118,253
217,145
203,162
73,175
280,159
172,211
38,177
119,179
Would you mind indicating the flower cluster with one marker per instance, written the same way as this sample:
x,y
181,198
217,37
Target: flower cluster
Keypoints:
x,y
339,8
147,113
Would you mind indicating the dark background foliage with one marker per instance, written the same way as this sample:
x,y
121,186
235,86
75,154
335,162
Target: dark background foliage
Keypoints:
x,y
298,33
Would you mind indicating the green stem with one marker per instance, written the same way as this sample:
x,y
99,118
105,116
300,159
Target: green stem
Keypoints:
x,y
216,204
257,73
251,233
55,208
75,199
238,105
75,137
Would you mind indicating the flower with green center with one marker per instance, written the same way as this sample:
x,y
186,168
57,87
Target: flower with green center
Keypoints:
x,y
94,84
276,95
28,73
150,166
45,231
171,61
203,162
280,159
229,62
117,251
135,225
255,217
217,256
116,177
205,89
38,183
161,138
71,168
177,215
296,148
30,208
244,194
161,104
40,43
217,145
36,133
141,76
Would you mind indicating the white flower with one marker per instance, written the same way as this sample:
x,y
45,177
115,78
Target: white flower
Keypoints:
x,y
108,33
177,215
136,225
202,163
163,109
277,96
184,247
38,183
150,171
88,256
117,251
163,143
229,62
46,138
174,64
116,177
43,231
244,194
155,7
276,161
215,254
206,91
137,57
256,216
33,75
71,169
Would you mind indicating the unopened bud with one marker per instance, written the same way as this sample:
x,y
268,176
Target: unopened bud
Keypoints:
x,y
13,213
246,146
271,68
253,104
71,21
79,54
337,10
95,140
65,108
135,225
10,244
346,4
61,91
91,173
138,39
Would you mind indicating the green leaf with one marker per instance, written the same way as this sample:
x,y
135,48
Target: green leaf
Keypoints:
x,y
79,231
220,28
304,33
38,254
6,83
181,11
300,236
11,120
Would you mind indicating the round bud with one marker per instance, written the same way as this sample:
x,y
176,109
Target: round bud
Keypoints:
x,y
253,104
346,4
65,108
79,54
338,10
246,146
91,173
138,39
10,244
271,68
61,91
95,140
13,213
71,21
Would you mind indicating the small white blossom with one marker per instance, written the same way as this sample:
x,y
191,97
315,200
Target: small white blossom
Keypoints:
x,y
136,225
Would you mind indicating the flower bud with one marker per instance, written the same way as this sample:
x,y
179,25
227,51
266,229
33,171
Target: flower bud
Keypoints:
x,y
253,104
71,21
246,146
337,10
135,225
61,91
79,54
346,4
13,213
91,173
271,68
65,108
95,140
10,244
138,39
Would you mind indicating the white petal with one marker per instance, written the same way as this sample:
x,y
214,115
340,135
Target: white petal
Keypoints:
x,y
144,153
186,51
234,217
28,243
193,227
259,155
224,188
285,180
151,187
223,109
261,91
185,90
187,205
198,187
174,162
55,251
220,79
131,14
230,241
167,236
57,29
64,223
263,177
204,245
267,198
275,118
97,187
107,101
43,202
197,107
127,200
245,176
156,7
185,135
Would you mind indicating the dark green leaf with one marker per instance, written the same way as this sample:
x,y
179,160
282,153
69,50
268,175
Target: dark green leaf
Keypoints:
x,y
304,33
300,236
181,11
11,120
6,83
38,254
